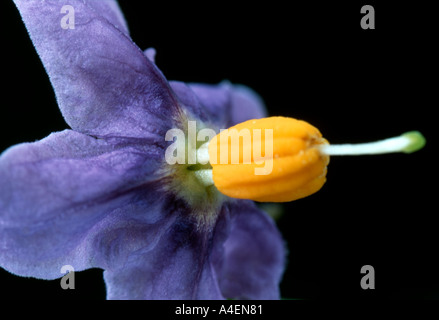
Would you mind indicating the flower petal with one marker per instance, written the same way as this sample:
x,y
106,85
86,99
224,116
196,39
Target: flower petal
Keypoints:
x,y
190,101
150,54
251,262
229,104
73,199
246,105
110,10
103,82
176,268
242,259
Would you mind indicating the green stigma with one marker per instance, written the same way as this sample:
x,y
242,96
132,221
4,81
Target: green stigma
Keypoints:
x,y
416,141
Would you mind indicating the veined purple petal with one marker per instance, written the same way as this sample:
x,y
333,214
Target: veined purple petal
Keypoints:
x,y
214,104
246,105
177,268
224,104
243,258
110,10
73,199
190,101
251,261
103,82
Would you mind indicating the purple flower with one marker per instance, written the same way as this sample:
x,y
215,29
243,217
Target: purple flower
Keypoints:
x,y
101,195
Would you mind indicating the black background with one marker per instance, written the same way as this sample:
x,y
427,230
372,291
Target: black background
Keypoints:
x,y
309,61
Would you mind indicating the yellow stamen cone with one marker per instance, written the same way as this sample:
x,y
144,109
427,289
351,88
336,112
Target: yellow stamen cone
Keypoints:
x,y
274,159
